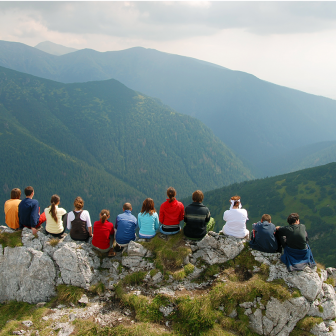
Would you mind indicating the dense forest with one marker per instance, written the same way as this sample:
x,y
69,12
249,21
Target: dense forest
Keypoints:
x,y
104,142
309,192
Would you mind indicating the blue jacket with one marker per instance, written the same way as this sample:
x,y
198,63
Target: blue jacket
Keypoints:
x,y
297,260
264,239
29,213
125,224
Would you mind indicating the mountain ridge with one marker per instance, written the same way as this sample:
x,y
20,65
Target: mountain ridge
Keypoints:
x,y
251,116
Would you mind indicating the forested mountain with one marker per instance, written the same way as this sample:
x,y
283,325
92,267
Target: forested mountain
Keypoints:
x,y
309,192
104,141
54,49
257,119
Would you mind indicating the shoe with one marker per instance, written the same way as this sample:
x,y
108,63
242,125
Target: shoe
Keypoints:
x,y
111,253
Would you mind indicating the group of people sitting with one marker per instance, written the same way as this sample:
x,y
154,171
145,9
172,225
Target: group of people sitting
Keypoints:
x,y
109,238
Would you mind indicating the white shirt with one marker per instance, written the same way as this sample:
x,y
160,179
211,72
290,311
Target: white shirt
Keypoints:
x,y
235,223
85,216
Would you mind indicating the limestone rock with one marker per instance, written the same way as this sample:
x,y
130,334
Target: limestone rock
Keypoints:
x,y
26,275
256,322
7,229
74,265
308,282
131,261
135,249
157,278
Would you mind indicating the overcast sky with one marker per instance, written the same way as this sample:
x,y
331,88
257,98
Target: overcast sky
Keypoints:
x,y
287,43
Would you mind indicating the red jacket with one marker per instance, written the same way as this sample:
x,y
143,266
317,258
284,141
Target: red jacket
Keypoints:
x,y
171,213
101,234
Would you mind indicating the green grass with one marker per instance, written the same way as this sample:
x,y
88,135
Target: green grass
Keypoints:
x,y
194,315
14,311
330,281
307,323
54,242
98,288
168,254
232,293
67,294
88,328
10,239
134,278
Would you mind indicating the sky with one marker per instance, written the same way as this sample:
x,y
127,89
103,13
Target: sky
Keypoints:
x,y
287,43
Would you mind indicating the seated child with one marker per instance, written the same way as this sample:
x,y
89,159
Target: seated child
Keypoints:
x,y
79,222
54,217
171,214
103,234
263,238
297,253
125,225
197,218
148,220
235,219
12,209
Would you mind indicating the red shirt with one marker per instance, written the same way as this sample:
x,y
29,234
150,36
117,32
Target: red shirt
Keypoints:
x,y
101,234
171,213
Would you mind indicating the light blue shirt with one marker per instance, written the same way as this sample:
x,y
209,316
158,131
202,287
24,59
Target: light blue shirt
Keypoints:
x,y
148,224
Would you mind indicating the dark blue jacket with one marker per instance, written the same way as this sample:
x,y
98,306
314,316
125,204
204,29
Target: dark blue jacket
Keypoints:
x,y
264,239
125,224
29,213
297,260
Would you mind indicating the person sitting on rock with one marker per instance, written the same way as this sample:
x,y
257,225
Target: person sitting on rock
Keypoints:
x,y
29,212
263,238
171,214
79,222
103,234
148,220
125,226
197,218
293,238
235,219
12,209
54,217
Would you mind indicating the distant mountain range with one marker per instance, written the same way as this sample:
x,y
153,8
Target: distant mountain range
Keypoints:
x,y
309,192
54,49
259,120
105,142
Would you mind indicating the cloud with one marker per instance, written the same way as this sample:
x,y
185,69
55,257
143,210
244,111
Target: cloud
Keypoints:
x,y
158,21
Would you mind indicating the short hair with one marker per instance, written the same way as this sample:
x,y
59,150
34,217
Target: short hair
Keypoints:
x,y
292,218
15,193
127,206
171,193
266,218
28,191
148,206
79,202
197,196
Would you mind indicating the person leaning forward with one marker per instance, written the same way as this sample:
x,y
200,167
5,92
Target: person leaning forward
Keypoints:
x,y
29,211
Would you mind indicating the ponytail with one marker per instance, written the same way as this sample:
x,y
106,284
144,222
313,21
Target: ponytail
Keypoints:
x,y
104,214
54,200
171,193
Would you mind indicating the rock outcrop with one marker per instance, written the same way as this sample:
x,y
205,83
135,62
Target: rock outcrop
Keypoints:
x,y
31,273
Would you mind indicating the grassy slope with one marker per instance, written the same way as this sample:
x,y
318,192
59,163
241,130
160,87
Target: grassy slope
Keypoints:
x,y
310,192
